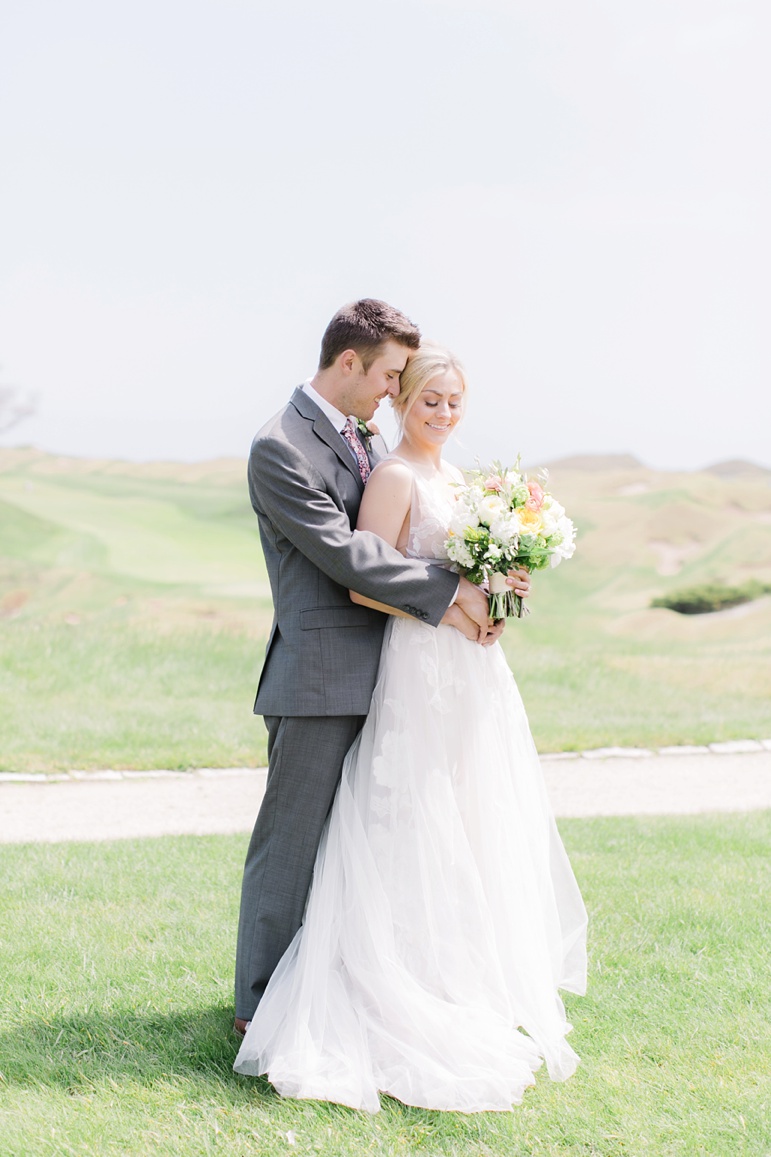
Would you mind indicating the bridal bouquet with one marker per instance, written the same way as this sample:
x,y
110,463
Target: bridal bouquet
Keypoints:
x,y
503,520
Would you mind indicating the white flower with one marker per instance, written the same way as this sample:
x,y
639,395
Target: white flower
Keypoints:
x,y
459,552
462,518
550,521
566,548
489,508
505,528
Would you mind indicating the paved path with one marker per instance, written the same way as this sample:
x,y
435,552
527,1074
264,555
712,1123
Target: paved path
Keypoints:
x,y
115,805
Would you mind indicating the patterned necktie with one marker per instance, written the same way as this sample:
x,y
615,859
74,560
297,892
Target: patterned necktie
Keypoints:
x,y
349,433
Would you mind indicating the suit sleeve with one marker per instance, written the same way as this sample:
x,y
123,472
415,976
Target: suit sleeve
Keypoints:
x,y
288,489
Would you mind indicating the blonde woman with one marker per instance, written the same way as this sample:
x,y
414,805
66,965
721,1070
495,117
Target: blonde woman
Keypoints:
x,y
443,915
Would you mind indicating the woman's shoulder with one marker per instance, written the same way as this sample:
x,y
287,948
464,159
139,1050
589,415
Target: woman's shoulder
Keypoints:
x,y
391,475
393,468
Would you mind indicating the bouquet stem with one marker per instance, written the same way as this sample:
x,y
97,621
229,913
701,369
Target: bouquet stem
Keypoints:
x,y
504,604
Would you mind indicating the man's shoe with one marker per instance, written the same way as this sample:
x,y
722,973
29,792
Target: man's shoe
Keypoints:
x,y
240,1026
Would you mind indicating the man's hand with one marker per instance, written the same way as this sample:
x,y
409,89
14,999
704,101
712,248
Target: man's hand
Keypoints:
x,y
472,600
455,617
519,581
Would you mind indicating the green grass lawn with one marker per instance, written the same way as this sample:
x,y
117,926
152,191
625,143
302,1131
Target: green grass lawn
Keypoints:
x,y
116,1008
134,609
144,698
591,679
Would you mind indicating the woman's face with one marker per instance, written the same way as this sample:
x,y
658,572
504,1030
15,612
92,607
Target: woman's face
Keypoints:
x,y
436,411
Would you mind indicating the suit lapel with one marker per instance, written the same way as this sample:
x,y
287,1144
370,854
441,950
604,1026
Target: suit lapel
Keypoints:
x,y
323,428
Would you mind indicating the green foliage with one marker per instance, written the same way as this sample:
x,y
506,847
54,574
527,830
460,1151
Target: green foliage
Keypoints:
x,y
702,600
116,1007
533,553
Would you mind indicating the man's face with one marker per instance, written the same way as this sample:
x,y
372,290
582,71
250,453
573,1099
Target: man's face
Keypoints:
x,y
364,389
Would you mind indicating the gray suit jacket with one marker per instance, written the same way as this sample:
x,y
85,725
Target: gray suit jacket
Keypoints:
x,y
323,651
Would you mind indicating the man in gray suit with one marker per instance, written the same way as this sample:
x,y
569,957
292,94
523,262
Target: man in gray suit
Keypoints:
x,y
307,471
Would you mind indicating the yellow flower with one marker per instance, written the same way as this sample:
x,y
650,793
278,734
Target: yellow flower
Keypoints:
x,y
530,521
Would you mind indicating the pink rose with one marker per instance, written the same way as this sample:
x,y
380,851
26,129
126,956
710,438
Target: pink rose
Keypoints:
x,y
535,501
493,483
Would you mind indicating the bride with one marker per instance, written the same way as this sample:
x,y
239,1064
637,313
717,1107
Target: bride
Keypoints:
x,y
444,914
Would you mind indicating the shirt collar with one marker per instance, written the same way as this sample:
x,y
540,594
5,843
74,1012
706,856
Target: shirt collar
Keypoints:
x,y
337,418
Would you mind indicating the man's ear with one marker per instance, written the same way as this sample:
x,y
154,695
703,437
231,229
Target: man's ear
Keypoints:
x,y
347,361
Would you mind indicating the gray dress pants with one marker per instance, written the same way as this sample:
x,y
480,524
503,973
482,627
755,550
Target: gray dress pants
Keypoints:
x,y
305,758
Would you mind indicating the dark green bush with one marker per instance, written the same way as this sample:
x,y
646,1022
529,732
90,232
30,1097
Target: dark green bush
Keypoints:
x,y
709,597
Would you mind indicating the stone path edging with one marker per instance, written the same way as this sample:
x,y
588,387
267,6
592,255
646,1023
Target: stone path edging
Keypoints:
x,y
728,747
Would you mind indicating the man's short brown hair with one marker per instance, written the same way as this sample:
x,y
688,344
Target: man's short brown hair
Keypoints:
x,y
364,326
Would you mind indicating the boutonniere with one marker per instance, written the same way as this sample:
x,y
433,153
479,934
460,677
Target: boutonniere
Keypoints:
x,y
367,431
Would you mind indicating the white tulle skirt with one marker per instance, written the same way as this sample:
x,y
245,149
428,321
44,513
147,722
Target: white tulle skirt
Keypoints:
x,y
444,914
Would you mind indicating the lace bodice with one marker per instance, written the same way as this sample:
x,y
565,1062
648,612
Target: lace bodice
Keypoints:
x,y
433,496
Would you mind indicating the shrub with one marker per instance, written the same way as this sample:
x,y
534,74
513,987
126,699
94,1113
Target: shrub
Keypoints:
x,y
709,597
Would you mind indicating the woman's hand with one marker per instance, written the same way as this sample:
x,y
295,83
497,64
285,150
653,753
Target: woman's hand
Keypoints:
x,y
495,632
519,581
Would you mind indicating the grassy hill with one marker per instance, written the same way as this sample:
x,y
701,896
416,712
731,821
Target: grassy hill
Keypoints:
x,y
134,607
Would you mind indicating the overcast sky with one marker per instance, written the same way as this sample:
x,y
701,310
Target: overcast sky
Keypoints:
x,y
573,194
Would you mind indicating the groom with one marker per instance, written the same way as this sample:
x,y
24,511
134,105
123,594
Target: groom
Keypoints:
x,y
307,471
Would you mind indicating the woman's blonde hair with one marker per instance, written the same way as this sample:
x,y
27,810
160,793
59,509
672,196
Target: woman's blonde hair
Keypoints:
x,y
428,361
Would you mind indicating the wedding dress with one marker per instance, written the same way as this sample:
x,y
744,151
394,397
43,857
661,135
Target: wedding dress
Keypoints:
x,y
444,914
